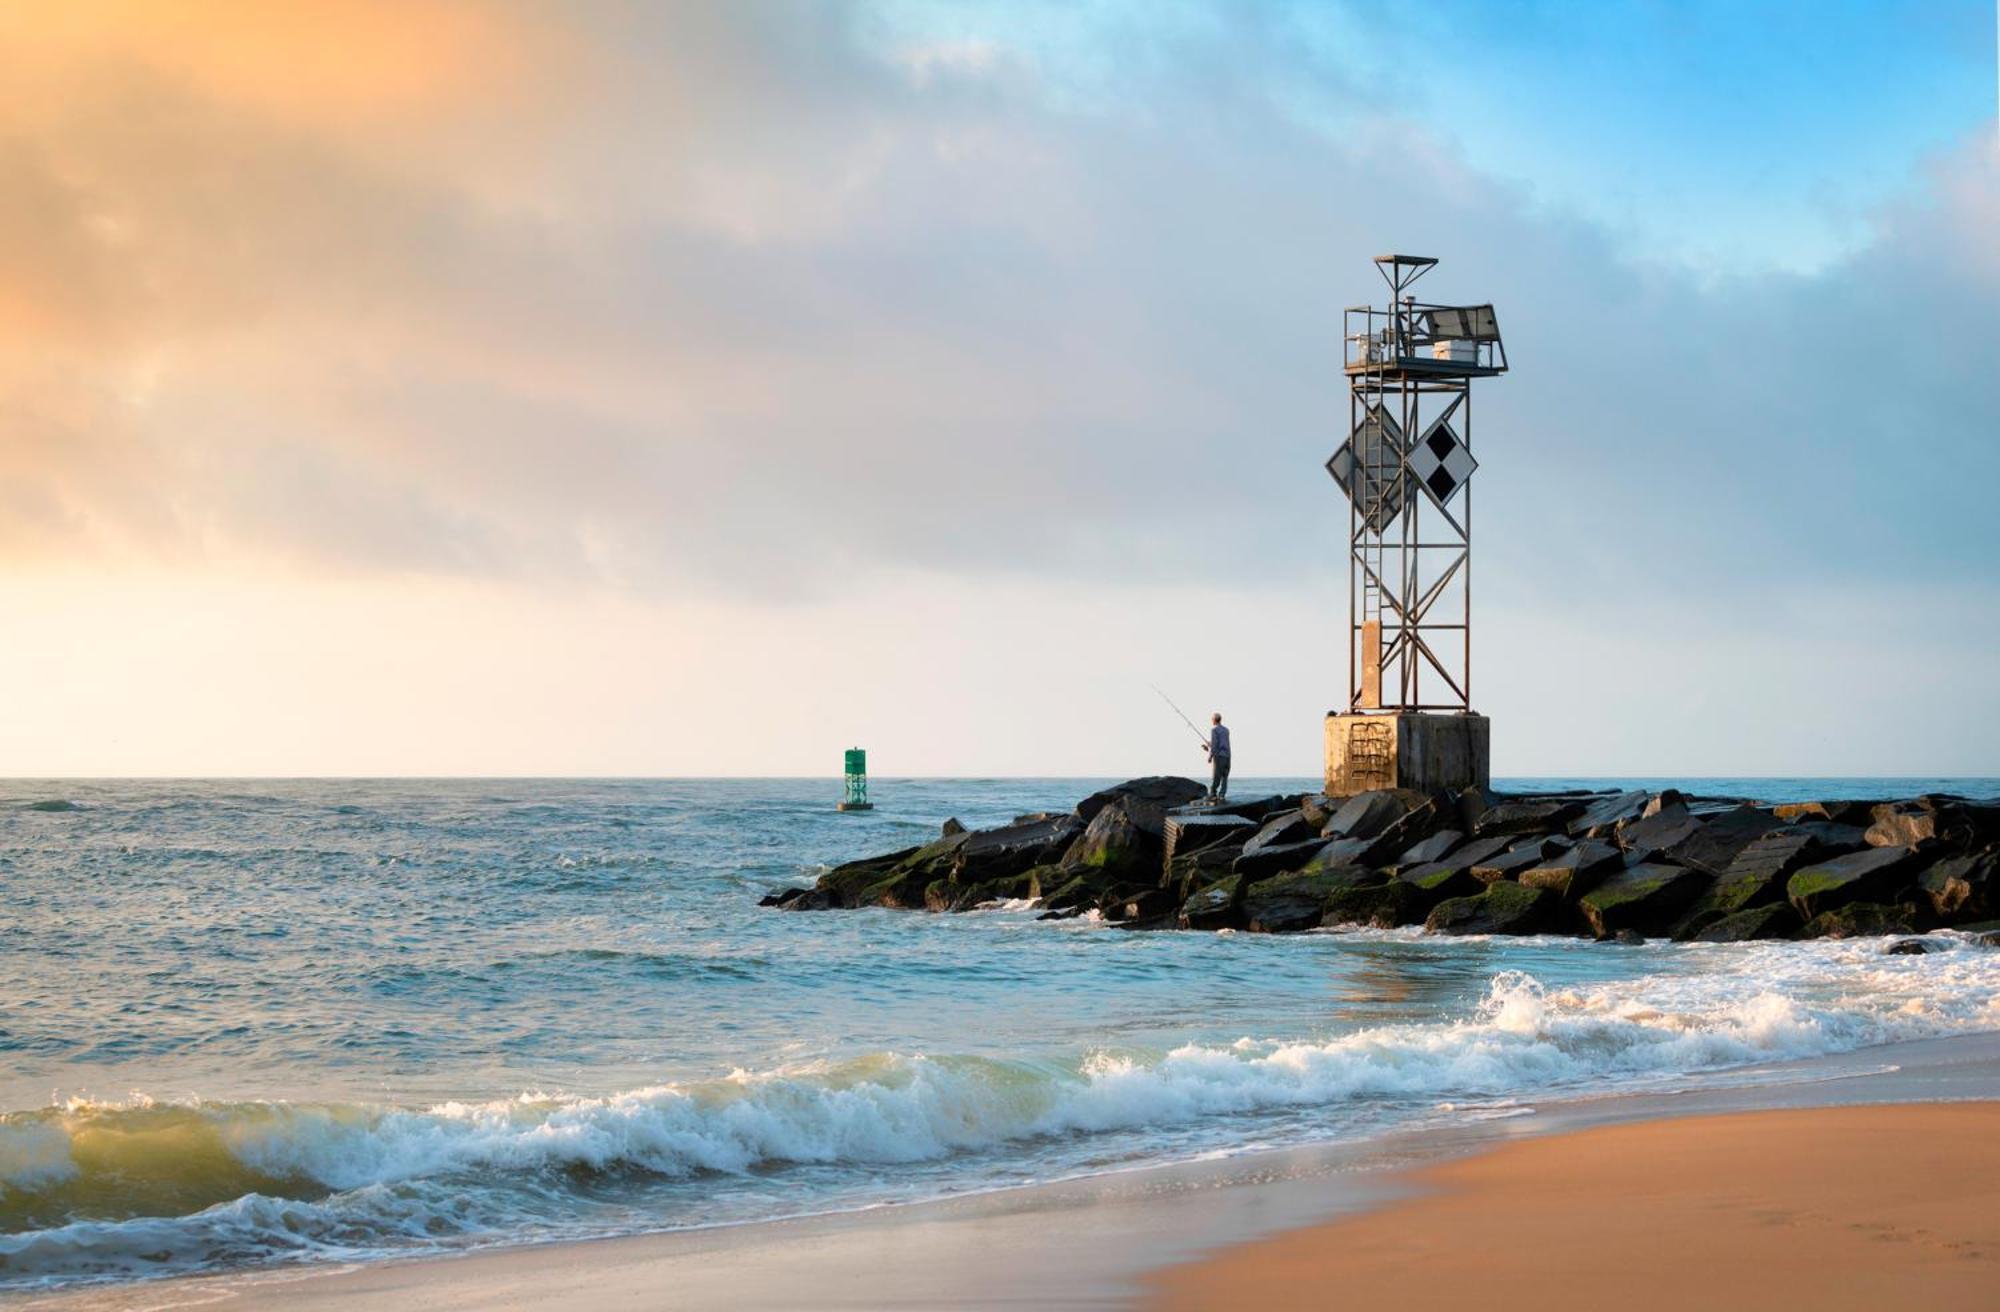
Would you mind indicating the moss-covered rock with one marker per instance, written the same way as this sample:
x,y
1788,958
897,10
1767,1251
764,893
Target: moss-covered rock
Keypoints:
x,y
1524,854
1649,898
1503,908
1755,878
856,883
1078,890
1771,920
1189,871
1289,903
1863,920
1379,903
1439,880
1115,844
1574,871
1218,906
1875,874
956,895
1149,904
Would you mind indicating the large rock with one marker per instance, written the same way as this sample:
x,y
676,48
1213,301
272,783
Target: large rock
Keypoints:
x,y
1426,816
1574,871
1649,898
1376,852
1962,887
1876,874
1013,849
1602,817
872,881
1529,817
1434,848
1191,833
1863,920
1218,906
1439,880
1755,878
954,895
1858,814
1265,862
1146,801
1667,799
1366,815
1114,843
1502,909
1658,830
1933,818
1057,889
1837,839
1256,809
1289,902
1189,871
1721,837
1318,808
1151,906
1476,850
1772,920
1281,830
1366,897
1906,824
1524,855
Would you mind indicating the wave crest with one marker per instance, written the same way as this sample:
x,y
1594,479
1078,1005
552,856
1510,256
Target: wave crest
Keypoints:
x,y
97,1187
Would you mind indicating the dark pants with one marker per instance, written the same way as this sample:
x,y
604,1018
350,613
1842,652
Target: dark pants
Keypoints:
x,y
1218,782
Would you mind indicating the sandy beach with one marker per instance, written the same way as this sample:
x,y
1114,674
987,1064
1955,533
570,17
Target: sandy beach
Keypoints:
x,y
1826,1208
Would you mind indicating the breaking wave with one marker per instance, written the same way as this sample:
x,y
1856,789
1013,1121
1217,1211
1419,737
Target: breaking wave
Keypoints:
x,y
91,1188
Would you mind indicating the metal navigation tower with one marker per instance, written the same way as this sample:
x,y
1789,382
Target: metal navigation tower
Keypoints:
x,y
1405,467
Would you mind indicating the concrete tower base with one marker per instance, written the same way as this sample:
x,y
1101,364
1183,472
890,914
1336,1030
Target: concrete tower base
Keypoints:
x,y
1405,749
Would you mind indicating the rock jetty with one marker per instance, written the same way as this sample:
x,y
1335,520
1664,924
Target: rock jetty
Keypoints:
x,y
1620,866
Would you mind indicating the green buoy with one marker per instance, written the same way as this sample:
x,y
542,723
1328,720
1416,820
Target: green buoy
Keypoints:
x,y
857,782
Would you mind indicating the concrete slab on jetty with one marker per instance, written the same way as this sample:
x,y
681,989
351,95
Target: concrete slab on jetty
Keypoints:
x,y
1406,749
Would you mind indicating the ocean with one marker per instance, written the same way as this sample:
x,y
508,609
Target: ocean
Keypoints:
x,y
251,1023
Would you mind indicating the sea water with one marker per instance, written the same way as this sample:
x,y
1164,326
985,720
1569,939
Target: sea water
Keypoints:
x,y
251,1023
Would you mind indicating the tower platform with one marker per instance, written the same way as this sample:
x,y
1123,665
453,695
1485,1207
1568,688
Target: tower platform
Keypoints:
x,y
1418,750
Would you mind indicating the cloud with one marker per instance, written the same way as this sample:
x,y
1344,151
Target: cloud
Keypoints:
x,y
690,300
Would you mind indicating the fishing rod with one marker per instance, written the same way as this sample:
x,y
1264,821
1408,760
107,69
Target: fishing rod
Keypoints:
x,y
1183,714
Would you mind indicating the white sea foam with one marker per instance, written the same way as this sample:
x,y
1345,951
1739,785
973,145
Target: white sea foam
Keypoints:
x,y
388,1174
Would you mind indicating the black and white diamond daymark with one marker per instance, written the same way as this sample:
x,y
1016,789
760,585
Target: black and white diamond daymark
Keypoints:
x,y
1368,466
1441,462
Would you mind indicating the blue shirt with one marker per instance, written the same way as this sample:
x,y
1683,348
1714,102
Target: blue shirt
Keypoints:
x,y
1218,741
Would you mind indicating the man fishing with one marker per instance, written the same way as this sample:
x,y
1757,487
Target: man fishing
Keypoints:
x,y
1217,748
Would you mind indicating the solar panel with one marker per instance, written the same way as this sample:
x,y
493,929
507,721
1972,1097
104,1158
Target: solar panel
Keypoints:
x,y
1472,323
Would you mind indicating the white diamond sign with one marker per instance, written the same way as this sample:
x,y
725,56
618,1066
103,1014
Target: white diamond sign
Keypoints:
x,y
1369,468
1441,462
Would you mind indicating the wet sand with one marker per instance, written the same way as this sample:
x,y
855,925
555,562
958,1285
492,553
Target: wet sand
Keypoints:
x,y
1847,1208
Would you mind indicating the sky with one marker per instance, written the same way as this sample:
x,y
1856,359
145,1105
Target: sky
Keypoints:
x,y
427,388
